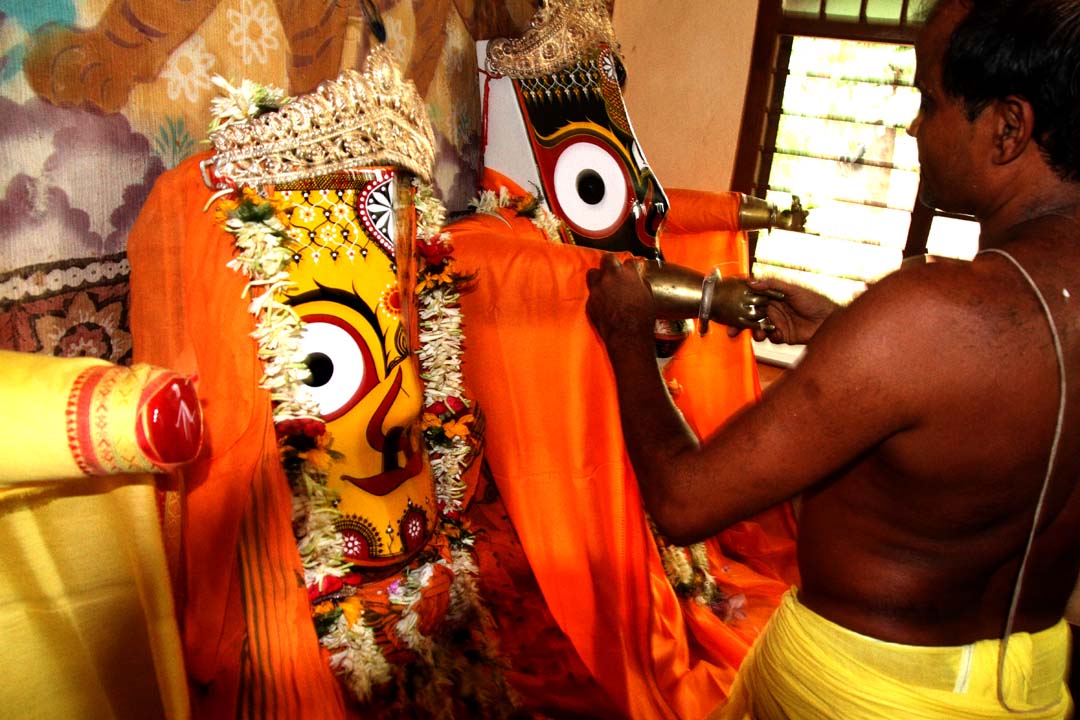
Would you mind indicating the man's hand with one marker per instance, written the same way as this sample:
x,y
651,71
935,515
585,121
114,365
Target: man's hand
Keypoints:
x,y
620,304
795,317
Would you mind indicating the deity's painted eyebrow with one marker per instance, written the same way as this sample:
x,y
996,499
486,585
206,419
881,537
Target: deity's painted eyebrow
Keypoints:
x,y
350,299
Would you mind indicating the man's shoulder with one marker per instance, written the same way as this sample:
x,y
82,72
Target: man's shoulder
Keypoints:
x,y
922,314
918,294
929,274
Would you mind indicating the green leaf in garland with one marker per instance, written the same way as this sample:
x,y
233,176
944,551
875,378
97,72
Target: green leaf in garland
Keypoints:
x,y
325,623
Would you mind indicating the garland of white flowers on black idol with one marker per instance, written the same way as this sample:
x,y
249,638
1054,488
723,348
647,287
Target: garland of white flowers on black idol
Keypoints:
x,y
260,226
488,202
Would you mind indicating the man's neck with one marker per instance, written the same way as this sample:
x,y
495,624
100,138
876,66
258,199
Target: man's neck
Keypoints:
x,y
1030,203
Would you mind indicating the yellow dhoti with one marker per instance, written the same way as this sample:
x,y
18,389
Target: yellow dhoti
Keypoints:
x,y
804,666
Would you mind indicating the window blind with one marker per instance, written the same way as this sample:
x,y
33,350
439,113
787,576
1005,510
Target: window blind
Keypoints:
x,y
878,11
841,145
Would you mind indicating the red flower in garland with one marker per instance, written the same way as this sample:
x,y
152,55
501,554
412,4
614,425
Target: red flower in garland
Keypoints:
x,y
453,406
435,251
311,427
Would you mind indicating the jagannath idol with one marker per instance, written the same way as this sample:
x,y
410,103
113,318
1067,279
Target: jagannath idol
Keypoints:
x,y
298,270
557,127
608,619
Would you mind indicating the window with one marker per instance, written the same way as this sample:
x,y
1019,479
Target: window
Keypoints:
x,y
830,98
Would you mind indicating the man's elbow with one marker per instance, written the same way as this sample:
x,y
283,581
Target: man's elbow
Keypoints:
x,y
679,520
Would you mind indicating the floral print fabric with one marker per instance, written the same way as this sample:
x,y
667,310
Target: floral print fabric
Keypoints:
x,y
99,97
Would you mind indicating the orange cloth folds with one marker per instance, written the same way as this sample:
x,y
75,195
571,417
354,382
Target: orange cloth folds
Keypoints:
x,y
555,447
249,642
718,373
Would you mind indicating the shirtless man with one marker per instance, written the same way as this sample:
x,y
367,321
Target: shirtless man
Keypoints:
x,y
921,422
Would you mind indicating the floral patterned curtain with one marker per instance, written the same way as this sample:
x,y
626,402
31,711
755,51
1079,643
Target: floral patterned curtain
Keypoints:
x,y
99,97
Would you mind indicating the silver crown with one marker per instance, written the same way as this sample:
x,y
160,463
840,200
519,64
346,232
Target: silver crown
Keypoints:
x,y
358,120
560,34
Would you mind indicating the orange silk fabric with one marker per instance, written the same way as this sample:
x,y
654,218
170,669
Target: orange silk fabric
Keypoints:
x,y
249,642
555,449
719,374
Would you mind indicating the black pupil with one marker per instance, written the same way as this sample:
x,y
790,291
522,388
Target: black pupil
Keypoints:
x,y
321,367
590,186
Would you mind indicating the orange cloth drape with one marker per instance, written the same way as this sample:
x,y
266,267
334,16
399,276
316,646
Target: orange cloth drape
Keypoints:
x,y
555,449
249,643
720,373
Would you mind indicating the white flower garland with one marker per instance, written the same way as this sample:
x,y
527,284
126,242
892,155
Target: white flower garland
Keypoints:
x,y
406,592
355,657
318,541
709,590
441,339
676,566
488,202
243,103
260,234
430,212
687,569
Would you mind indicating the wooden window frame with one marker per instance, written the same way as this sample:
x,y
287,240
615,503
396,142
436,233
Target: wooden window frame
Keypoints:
x,y
765,89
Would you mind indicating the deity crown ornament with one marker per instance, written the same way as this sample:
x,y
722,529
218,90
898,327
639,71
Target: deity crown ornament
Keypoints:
x,y
560,34
358,120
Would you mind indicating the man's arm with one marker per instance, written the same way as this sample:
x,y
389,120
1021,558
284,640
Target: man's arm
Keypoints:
x,y
846,396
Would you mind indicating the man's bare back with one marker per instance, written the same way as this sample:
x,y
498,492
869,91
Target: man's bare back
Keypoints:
x,y
981,391
920,424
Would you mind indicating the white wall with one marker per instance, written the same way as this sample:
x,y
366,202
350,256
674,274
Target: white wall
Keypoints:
x,y
687,63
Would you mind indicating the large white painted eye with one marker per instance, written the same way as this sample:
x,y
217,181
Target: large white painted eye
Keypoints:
x,y
591,187
342,370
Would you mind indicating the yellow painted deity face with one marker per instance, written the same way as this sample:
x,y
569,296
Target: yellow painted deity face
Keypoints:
x,y
348,233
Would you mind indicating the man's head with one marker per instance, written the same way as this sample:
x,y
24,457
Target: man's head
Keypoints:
x,y
1000,98
1029,48
1024,49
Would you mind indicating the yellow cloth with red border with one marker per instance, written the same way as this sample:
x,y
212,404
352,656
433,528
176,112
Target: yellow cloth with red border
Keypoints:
x,y
555,448
86,611
68,417
807,667
249,643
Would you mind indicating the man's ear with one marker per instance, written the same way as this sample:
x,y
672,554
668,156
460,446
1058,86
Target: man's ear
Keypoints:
x,y
1014,120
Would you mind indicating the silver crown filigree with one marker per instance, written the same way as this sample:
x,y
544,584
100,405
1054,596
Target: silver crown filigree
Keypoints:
x,y
358,120
560,34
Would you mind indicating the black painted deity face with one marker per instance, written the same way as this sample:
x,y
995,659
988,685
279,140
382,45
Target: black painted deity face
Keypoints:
x,y
594,173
